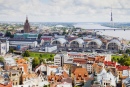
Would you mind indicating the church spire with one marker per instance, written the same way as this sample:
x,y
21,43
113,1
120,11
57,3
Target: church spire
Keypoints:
x,y
26,26
26,19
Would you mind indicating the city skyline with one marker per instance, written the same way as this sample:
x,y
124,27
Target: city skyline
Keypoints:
x,y
65,10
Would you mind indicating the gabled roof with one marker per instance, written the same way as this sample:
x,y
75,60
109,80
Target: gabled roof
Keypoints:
x,y
54,77
79,60
110,63
121,68
81,74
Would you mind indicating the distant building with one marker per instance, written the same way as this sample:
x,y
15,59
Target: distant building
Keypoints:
x,y
31,36
26,26
16,43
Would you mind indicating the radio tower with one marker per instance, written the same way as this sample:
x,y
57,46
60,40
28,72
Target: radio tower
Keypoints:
x,y
112,24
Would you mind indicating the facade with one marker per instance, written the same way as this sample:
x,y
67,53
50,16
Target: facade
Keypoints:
x,y
26,26
76,43
94,44
33,36
52,68
113,45
47,39
59,60
42,68
4,47
32,43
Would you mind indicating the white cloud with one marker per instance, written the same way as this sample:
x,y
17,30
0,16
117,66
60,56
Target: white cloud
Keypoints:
x,y
64,10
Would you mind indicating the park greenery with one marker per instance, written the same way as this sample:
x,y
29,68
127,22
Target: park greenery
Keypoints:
x,y
1,59
123,59
38,57
8,34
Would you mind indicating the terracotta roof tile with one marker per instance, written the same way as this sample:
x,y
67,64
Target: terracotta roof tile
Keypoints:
x,y
9,85
57,78
80,74
79,60
99,59
109,63
121,68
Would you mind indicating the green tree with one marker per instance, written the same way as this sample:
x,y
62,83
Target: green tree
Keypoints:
x,y
26,58
39,36
127,51
42,60
45,86
35,62
40,55
127,63
1,59
120,52
7,34
114,59
11,50
50,59
26,54
125,55
51,55
64,32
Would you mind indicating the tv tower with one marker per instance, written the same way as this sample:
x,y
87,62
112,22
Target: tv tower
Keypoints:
x,y
112,24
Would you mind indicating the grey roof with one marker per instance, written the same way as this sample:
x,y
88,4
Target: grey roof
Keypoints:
x,y
98,41
61,40
27,40
79,40
115,41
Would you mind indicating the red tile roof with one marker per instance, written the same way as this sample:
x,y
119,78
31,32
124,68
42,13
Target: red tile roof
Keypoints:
x,y
99,59
121,68
80,74
79,60
9,85
109,63
57,78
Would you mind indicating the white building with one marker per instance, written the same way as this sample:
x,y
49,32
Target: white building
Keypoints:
x,y
4,48
50,48
31,43
52,68
59,59
106,78
65,84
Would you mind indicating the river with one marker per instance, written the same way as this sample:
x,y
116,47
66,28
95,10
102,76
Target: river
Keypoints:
x,y
117,33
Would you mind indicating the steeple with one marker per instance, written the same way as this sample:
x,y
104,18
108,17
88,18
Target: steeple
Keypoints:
x,y
26,19
26,26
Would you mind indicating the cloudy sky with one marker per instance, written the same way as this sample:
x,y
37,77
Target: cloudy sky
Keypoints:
x,y
65,10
